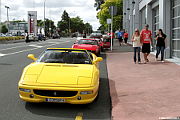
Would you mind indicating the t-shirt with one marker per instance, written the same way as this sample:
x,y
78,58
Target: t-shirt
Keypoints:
x,y
161,40
146,36
120,34
137,42
125,35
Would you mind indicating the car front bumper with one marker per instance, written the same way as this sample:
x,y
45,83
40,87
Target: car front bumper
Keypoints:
x,y
76,99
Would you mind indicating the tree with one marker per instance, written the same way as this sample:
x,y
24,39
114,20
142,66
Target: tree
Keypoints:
x,y
4,29
49,27
69,25
88,28
104,14
77,25
65,21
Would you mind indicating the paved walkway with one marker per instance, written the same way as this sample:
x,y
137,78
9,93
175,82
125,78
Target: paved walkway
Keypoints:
x,y
142,91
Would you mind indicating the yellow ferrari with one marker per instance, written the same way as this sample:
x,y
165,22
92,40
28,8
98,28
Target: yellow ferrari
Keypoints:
x,y
61,75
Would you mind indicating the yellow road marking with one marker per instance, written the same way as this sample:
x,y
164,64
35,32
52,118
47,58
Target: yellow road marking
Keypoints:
x,y
79,116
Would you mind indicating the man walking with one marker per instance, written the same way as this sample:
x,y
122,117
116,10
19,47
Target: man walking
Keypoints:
x,y
146,40
120,37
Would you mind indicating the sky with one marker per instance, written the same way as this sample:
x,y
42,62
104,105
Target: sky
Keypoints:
x,y
54,9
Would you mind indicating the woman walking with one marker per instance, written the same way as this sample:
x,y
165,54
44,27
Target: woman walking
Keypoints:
x,y
136,45
160,46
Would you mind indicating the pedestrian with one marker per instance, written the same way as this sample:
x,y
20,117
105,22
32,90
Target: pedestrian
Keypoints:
x,y
125,37
146,40
120,37
160,46
136,45
27,37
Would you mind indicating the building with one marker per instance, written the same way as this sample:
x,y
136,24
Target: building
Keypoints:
x,y
159,14
17,28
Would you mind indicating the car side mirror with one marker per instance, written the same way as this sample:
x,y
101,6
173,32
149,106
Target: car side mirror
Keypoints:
x,y
98,59
31,56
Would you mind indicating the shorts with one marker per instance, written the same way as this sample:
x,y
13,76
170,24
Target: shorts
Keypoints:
x,y
146,48
120,39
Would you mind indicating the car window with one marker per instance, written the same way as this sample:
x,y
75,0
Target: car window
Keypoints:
x,y
65,57
91,42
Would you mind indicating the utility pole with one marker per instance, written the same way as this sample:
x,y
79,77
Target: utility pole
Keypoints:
x,y
0,16
7,17
44,17
112,26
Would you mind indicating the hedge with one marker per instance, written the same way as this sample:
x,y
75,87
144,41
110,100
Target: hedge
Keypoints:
x,y
12,38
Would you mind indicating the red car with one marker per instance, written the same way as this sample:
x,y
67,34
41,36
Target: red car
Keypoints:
x,y
91,45
106,42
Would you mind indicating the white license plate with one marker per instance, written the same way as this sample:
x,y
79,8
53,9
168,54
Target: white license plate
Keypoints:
x,y
55,100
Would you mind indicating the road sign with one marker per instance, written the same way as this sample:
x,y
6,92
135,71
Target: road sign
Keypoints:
x,y
109,21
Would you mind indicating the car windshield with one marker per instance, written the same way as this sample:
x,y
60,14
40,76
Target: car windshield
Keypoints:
x,y
68,57
90,42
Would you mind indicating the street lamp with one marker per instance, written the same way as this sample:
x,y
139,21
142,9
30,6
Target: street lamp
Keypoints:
x,y
7,17
44,17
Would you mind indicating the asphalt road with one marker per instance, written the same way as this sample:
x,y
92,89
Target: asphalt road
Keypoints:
x,y
12,61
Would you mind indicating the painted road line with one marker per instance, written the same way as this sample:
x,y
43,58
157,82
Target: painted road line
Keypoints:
x,y
1,55
34,49
35,46
79,116
38,44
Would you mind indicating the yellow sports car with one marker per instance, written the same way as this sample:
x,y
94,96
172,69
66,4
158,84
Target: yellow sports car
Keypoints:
x,y
61,75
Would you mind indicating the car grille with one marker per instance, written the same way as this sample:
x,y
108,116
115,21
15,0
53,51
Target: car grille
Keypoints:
x,y
54,93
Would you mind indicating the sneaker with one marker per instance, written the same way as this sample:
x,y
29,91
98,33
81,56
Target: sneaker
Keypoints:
x,y
139,62
162,61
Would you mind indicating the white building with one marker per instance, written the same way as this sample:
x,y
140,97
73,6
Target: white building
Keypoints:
x,y
159,14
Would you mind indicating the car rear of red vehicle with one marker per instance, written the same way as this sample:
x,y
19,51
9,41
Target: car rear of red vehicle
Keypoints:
x,y
88,44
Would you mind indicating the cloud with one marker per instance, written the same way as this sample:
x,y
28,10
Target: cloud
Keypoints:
x,y
54,9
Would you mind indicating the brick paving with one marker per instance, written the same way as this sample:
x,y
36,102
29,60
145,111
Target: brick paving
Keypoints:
x,y
142,91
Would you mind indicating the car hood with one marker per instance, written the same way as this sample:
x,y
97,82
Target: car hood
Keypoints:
x,y
58,74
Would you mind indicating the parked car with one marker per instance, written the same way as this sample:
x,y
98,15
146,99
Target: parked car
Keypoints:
x,y
56,36
91,45
33,37
95,35
61,75
106,41
2,35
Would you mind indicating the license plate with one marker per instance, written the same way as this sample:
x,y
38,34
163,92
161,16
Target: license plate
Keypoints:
x,y
55,100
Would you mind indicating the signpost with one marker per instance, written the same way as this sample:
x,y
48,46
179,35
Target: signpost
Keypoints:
x,y
113,11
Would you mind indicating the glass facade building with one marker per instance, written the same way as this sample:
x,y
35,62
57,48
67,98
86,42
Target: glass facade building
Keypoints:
x,y
159,14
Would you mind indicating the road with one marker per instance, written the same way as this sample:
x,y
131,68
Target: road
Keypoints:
x,y
12,61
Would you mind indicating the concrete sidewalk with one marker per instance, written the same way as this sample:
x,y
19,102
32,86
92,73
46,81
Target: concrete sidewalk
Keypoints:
x,y
142,91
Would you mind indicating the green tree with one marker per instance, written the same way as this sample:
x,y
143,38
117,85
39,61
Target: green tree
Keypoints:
x,y
49,27
65,21
40,23
4,29
88,28
104,14
77,25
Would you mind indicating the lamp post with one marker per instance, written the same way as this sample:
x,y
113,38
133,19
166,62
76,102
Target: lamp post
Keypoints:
x,y
7,17
44,17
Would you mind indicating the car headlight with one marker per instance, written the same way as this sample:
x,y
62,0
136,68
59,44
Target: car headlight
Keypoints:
x,y
25,90
86,92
